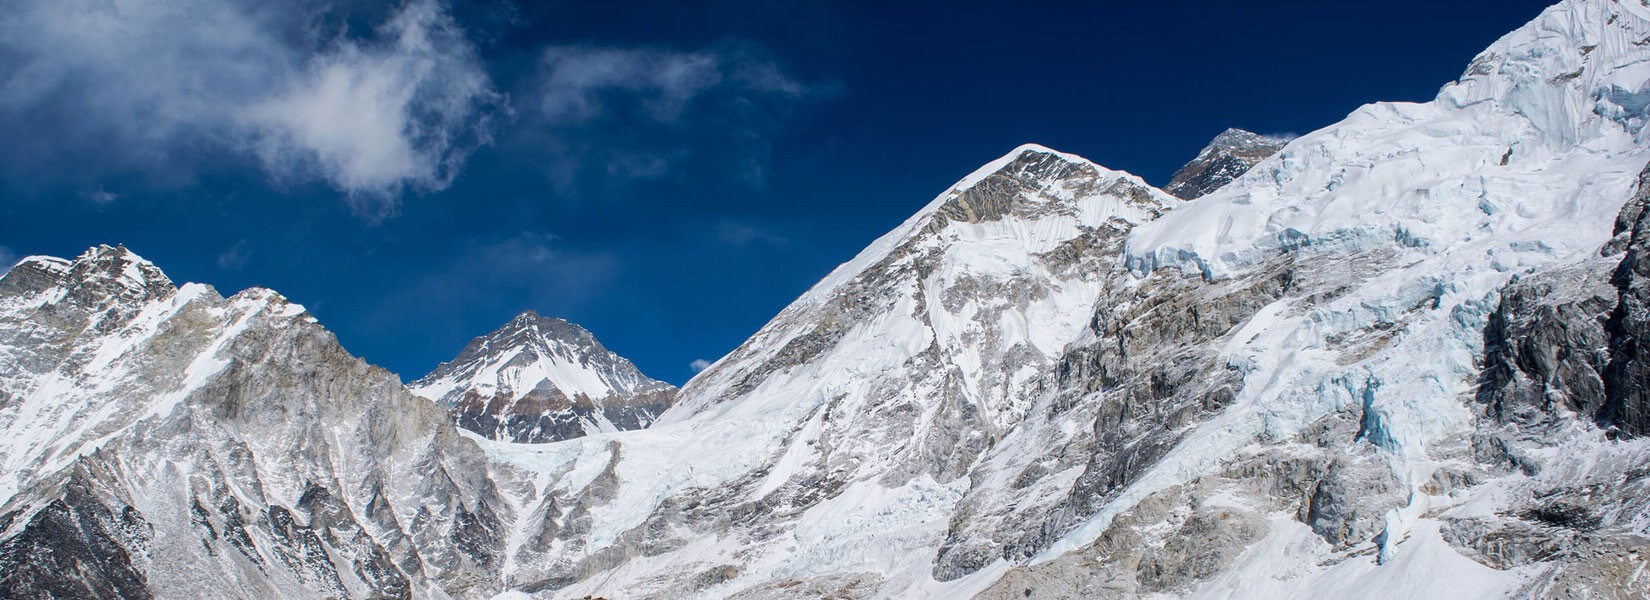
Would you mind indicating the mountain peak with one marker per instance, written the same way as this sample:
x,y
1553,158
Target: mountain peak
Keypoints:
x,y
1020,155
540,379
1031,178
531,316
1226,157
100,277
1243,138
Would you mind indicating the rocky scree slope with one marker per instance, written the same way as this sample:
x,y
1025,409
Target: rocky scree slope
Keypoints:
x,y
540,379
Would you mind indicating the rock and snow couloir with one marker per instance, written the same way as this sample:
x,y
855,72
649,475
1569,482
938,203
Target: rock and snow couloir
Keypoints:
x,y
541,379
1398,358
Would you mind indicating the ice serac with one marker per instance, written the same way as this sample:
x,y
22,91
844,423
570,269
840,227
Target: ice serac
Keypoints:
x,y
1399,229
541,379
165,441
1227,157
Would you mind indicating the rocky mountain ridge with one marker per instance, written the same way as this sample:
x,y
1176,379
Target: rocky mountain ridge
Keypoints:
x,y
168,442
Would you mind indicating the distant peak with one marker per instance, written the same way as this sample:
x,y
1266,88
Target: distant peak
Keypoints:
x,y
1225,158
1233,134
1243,138
540,379
532,319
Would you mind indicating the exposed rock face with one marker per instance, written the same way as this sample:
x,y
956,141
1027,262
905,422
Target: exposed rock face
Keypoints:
x,y
168,441
1563,357
1627,378
1227,157
539,379
79,545
1573,340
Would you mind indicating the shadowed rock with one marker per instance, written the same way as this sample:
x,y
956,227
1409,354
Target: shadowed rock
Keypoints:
x,y
1226,158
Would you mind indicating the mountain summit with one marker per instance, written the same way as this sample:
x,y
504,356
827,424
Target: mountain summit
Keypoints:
x,y
543,379
1227,157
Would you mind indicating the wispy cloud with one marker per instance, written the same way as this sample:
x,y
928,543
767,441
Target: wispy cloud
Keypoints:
x,y
135,85
638,113
102,197
736,233
663,82
7,260
699,364
235,257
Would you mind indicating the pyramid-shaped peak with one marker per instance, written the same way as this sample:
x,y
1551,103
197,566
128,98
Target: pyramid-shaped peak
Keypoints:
x,y
531,316
534,325
1035,175
1245,138
1228,156
539,379
1021,156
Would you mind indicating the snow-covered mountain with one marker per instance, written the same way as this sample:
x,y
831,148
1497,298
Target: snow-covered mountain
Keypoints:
x,y
541,379
1401,357
167,442
1056,381
1227,157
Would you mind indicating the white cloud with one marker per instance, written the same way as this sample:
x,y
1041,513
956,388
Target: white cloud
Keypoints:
x,y
375,118
136,83
7,260
699,364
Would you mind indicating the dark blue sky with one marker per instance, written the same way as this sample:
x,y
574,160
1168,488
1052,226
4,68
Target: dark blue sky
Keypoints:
x,y
668,174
